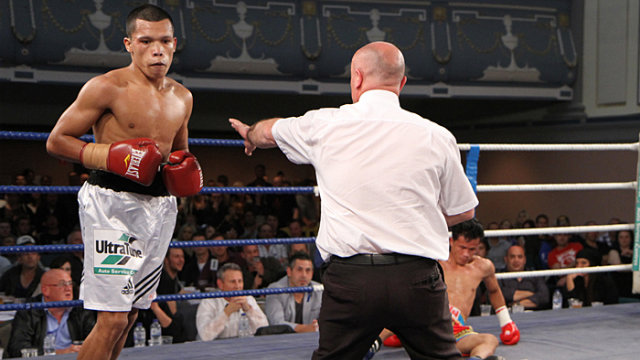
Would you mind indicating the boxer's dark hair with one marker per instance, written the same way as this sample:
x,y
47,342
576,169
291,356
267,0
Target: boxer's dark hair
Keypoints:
x,y
470,229
146,12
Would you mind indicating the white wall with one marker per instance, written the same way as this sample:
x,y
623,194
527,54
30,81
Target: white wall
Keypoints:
x,y
610,58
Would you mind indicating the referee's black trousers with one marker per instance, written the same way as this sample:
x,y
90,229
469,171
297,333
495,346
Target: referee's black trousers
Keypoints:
x,y
408,298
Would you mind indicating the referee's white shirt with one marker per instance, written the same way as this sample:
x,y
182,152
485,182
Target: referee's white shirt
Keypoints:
x,y
385,176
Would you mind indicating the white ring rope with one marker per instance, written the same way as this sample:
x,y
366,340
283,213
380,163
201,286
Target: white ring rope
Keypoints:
x,y
552,272
631,185
552,147
558,230
558,272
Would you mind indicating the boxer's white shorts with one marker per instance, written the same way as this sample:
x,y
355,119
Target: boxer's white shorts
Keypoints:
x,y
126,236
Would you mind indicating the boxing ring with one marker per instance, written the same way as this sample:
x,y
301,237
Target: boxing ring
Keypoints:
x,y
584,333
612,333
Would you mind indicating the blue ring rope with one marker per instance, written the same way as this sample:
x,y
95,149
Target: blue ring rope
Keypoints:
x,y
43,136
16,249
28,189
172,297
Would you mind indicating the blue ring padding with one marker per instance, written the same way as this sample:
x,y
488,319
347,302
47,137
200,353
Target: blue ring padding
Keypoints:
x,y
472,166
172,297
28,189
42,136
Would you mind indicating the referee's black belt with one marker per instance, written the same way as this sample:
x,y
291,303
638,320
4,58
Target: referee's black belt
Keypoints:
x,y
377,259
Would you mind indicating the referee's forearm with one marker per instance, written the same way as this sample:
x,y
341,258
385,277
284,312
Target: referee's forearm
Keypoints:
x,y
259,134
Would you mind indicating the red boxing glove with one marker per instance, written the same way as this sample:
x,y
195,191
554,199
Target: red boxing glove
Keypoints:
x,y
510,334
135,159
392,341
182,175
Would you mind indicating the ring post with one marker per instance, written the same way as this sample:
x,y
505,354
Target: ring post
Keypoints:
x,y
636,242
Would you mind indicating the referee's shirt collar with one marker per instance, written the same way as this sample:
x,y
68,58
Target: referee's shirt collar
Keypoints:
x,y
385,97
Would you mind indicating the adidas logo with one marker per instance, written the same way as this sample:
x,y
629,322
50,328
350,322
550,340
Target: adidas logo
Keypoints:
x,y
128,289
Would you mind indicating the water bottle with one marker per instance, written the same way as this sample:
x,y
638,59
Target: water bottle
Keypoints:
x,y
244,329
155,337
49,345
139,335
557,300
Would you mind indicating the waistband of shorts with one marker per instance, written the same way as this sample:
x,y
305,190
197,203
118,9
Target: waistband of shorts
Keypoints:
x,y
115,182
378,259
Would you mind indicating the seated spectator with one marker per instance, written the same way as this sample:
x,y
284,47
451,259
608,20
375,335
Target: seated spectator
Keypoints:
x,y
530,292
483,248
201,272
563,220
258,272
5,228
69,324
497,251
591,241
272,220
622,253
609,237
543,244
298,310
23,226
278,251
167,313
219,317
22,280
63,263
590,287
562,256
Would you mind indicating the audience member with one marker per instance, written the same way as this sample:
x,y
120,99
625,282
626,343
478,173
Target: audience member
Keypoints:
x,y
608,237
277,251
30,327
521,218
498,247
298,310
5,228
622,253
592,287
530,292
591,241
171,320
274,222
563,221
564,254
219,317
483,248
24,226
249,225
201,271
63,263
258,272
543,244
22,280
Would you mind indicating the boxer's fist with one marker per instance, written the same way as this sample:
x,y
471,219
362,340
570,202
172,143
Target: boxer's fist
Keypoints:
x,y
182,175
135,159
392,341
510,334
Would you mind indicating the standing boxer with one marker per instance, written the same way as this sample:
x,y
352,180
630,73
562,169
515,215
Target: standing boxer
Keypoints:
x,y
139,118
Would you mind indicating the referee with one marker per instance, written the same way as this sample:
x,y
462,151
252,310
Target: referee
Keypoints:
x,y
391,182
